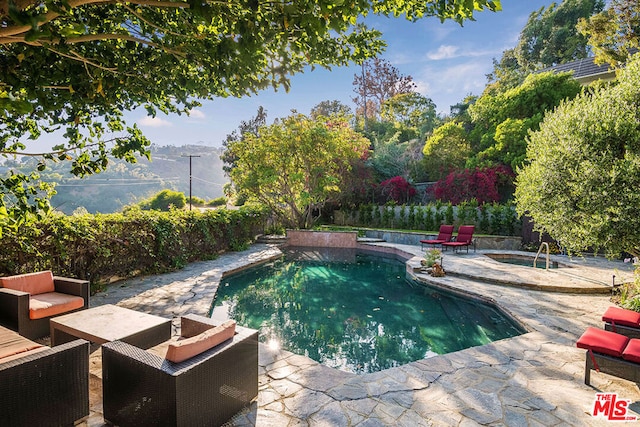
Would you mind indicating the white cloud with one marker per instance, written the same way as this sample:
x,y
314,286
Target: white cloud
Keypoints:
x,y
443,52
154,122
400,58
439,31
447,86
468,76
197,114
422,87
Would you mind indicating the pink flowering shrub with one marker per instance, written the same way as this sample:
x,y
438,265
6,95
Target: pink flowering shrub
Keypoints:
x,y
486,185
397,189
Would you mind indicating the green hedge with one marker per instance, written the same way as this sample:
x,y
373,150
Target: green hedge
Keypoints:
x,y
103,246
489,218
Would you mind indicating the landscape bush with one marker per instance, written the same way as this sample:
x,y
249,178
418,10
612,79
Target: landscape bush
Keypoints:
x,y
196,201
397,189
219,201
103,247
486,185
164,201
489,218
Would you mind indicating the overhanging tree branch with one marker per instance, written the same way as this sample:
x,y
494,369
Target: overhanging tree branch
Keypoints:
x,y
16,33
86,61
151,24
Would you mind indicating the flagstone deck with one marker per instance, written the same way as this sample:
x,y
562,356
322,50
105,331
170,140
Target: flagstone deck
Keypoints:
x,y
530,380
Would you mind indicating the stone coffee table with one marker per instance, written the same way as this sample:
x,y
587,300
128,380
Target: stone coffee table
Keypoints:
x,y
110,323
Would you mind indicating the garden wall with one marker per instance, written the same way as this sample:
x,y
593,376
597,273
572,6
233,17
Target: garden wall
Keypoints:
x,y
349,239
408,238
322,239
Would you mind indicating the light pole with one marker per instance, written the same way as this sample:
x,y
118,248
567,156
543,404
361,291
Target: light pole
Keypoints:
x,y
190,157
364,96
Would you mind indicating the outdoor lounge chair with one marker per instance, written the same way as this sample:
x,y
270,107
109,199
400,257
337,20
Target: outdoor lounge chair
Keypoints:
x,y
28,301
623,321
464,238
140,387
444,235
40,385
610,353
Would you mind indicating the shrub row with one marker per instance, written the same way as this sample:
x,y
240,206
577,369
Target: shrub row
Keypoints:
x,y
103,246
489,218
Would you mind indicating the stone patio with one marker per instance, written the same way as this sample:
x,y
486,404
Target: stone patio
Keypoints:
x,y
535,379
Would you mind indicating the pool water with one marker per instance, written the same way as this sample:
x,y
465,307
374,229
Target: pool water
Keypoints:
x,y
355,311
525,262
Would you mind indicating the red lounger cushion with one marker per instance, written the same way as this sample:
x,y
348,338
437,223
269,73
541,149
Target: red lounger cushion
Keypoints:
x,y
602,341
32,283
444,235
632,352
52,304
621,316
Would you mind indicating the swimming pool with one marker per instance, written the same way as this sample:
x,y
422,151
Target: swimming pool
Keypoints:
x,y
355,311
523,261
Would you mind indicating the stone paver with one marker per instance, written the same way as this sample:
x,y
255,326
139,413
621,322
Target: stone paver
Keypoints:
x,y
533,379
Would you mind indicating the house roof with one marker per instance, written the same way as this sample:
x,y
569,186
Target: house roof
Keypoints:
x,y
585,70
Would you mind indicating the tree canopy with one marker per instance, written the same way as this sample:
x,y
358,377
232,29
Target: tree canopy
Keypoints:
x,y
502,121
614,34
378,82
77,65
411,112
507,73
580,183
550,36
296,165
446,149
246,126
327,108
390,157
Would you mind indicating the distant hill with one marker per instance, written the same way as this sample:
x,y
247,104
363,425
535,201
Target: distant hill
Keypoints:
x,y
125,183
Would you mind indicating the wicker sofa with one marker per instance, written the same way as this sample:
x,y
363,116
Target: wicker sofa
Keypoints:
x,y
140,387
42,386
28,301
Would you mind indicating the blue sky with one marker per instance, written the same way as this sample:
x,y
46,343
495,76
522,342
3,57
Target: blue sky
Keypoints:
x,y
445,60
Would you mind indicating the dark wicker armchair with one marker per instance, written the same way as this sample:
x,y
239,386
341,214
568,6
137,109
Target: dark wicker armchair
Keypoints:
x,y
142,388
14,307
48,388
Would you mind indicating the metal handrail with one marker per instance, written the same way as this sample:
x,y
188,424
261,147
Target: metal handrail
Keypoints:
x,y
535,260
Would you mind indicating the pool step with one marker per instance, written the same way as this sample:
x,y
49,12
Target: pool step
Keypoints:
x,y
271,239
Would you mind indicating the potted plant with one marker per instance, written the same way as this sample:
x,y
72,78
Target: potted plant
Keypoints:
x,y
432,262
